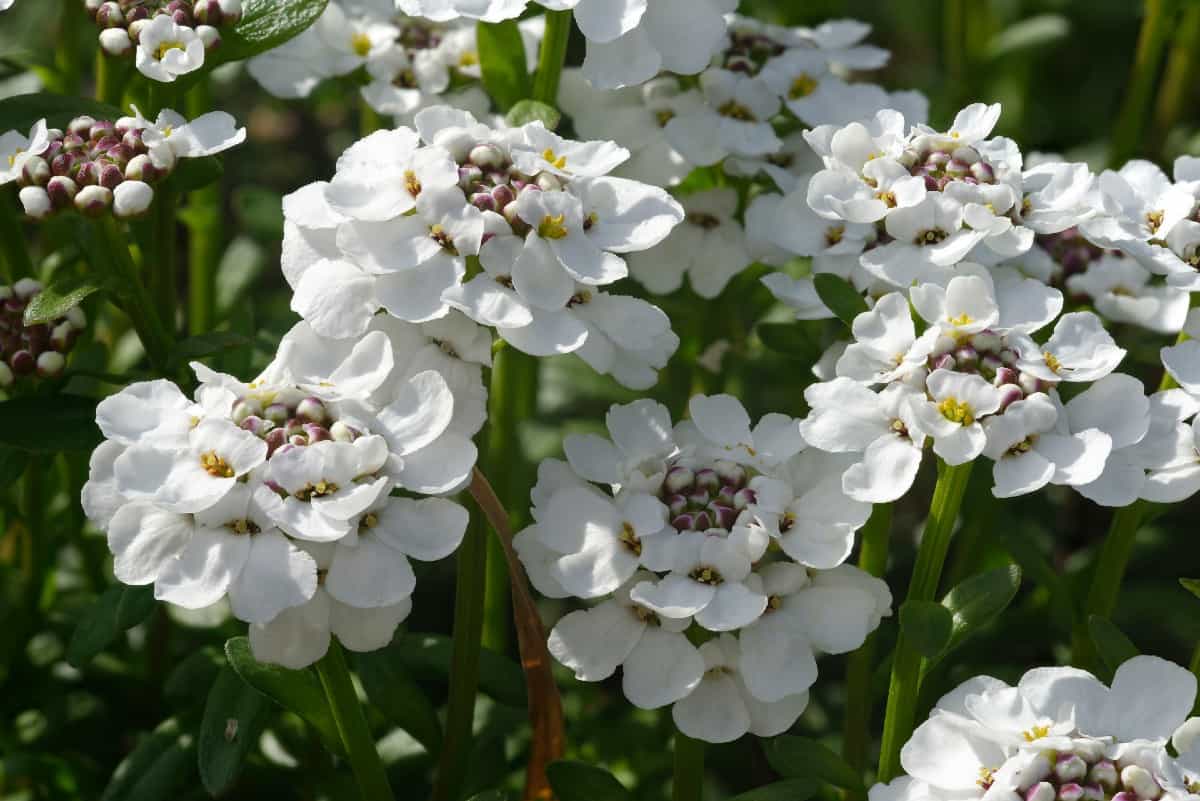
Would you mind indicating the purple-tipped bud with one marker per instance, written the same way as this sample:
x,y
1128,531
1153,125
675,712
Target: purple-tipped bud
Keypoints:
x,y
73,142
702,522
277,413
22,362
931,183
298,440
1093,792
111,176
937,159
677,505
92,201
1029,384
181,17
101,129
483,201
519,226
989,363
1005,375
487,156
679,479
342,432
1140,781
63,337
86,173
740,64
244,408
966,358
1070,768
1008,356
50,364
503,195
62,191
725,496
1070,792
312,410
730,473
684,522
255,424
1125,796
36,171
943,362
708,480
982,171
137,25
62,164
957,168
275,440
141,168
468,177
210,36
722,516
698,498
38,337
743,498
1042,791
316,433
1104,773
132,139
208,12
987,341
109,15
231,10
119,155
81,126
77,318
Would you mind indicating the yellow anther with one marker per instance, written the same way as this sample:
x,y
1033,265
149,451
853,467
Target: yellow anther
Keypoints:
x,y
1154,219
166,47
957,411
961,320
1036,733
215,466
1052,361
736,111
468,59
834,234
412,184
560,162
361,43
803,86
553,227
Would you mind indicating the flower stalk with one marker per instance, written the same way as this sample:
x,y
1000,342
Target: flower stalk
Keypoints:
x,y
1107,577
905,684
113,254
160,270
553,55
352,726
1157,24
689,768
203,220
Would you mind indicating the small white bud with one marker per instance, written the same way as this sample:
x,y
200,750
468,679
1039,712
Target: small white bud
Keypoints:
x,y
132,199
1139,780
26,288
115,41
93,200
50,364
36,202
1186,736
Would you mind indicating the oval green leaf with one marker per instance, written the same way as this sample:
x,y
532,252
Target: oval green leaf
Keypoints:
x,y
840,296
579,781
234,715
804,758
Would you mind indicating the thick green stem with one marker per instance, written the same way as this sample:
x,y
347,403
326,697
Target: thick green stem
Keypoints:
x,y
906,668
204,235
1157,25
1177,80
12,239
689,768
1107,577
352,726
554,52
160,267
872,558
113,255
464,666
111,76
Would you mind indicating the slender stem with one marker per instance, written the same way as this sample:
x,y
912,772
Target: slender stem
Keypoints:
x,y
35,508
906,669
204,235
114,255
689,768
954,37
1177,80
68,55
160,268
502,457
1157,25
111,77
872,559
554,52
352,726
464,666
12,239
1107,577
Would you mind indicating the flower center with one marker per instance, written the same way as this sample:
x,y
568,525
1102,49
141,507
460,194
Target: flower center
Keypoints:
x,y
961,320
888,198
318,490
663,116
1052,362
559,162
1036,733
12,160
736,111
553,227
834,234
629,538
706,575
580,298
215,466
468,59
442,237
1154,221
165,47
803,86
412,184
369,521
930,236
242,526
361,44
703,219
957,411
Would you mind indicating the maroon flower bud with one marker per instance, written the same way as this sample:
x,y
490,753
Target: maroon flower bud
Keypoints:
x,y
743,498
708,480
722,516
678,480
684,522
702,522
22,362
36,172
111,176
677,505
86,173
483,201
62,191
50,364
109,15
81,126
101,129
276,438
503,195
943,361
312,410
316,433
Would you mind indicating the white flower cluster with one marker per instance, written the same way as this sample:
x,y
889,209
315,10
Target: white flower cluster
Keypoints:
x,y
1059,735
281,494
412,62
517,228
95,166
734,536
169,37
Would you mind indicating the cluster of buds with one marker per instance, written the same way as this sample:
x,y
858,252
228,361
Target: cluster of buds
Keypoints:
x,y
93,166
1071,251
988,355
1085,773
748,50
290,418
492,183
27,350
942,166
704,498
121,21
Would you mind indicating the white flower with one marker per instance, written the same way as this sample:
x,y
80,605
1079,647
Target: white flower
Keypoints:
x,y
16,150
1056,196
952,415
1121,290
444,10
1078,350
930,235
167,50
172,137
735,120
817,97
5,5
886,346
1057,729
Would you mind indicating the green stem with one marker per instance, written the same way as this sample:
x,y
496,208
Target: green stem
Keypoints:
x,y
872,559
1177,80
689,768
464,666
114,255
954,39
1107,577
906,669
160,268
502,455
554,53
67,54
12,239
111,76
204,235
1156,29
352,726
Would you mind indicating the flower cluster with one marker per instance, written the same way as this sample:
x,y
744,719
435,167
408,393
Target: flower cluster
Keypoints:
x,y
279,495
1060,734
170,36
707,531
39,349
97,166
517,228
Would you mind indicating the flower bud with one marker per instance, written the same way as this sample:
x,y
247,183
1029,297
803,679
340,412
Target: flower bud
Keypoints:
x,y
81,126
989,363
730,473
50,364
707,479
231,11
1124,796
487,156
316,433
982,171
86,173
132,199
937,159
684,522
725,496
36,202
119,155
26,288
77,318
1070,768
92,201
136,26
312,410
943,362
342,432
503,195
1008,356
519,226
208,12
549,182
1093,792
698,498
722,516
678,480
140,168
36,171
138,14
677,505
110,176
62,337
298,440
1070,792
1104,773
1036,770
1028,383
22,362
743,498
92,6
702,522
210,36
1139,780
957,169
132,139
1042,791
109,15
244,408
966,358
257,426
276,438
483,201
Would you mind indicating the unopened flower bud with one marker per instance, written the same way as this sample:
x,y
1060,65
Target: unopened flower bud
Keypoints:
x,y
677,505
297,440
1125,796
208,12
276,438
26,288
1029,383
1093,792
549,182
1036,770
1070,792
1070,768
316,433
342,432
702,522
743,498
943,362
92,201
312,410
966,358
679,479
109,15
245,408
707,479
483,201
119,155
1141,782
1008,356
698,498
722,516
986,341
1042,791
132,199
110,176
725,496
140,168
50,364
231,11
132,139
989,363
730,473
486,156
957,168
210,36
257,425
81,126
519,226
137,14
136,26
77,318
36,171
684,522
1104,773
503,195
982,171
1009,394
22,362
92,6
62,337
36,202
277,413
86,173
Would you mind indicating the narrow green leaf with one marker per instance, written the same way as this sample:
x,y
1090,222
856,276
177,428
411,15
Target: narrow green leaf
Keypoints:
x,y
974,603
1036,31
1111,643
241,265
843,300
579,781
428,656
118,609
393,692
526,111
55,300
804,758
234,716
790,339
298,691
786,790
926,625
502,61
21,112
162,763
1191,585
32,424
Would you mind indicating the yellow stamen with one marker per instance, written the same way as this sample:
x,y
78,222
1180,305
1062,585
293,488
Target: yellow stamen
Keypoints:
x,y
215,466
553,227
961,320
957,411
803,86
411,184
1036,733
1052,361
166,47
468,59
556,160
361,43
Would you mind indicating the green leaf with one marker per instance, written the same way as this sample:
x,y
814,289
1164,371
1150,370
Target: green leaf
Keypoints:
x,y
428,656
1113,647
195,173
502,61
790,339
234,716
265,25
244,260
526,111
203,345
260,210
786,790
21,112
803,758
195,673
68,423
975,602
1191,585
393,692
55,300
926,626
842,299
1035,31
119,608
298,691
160,766
579,781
